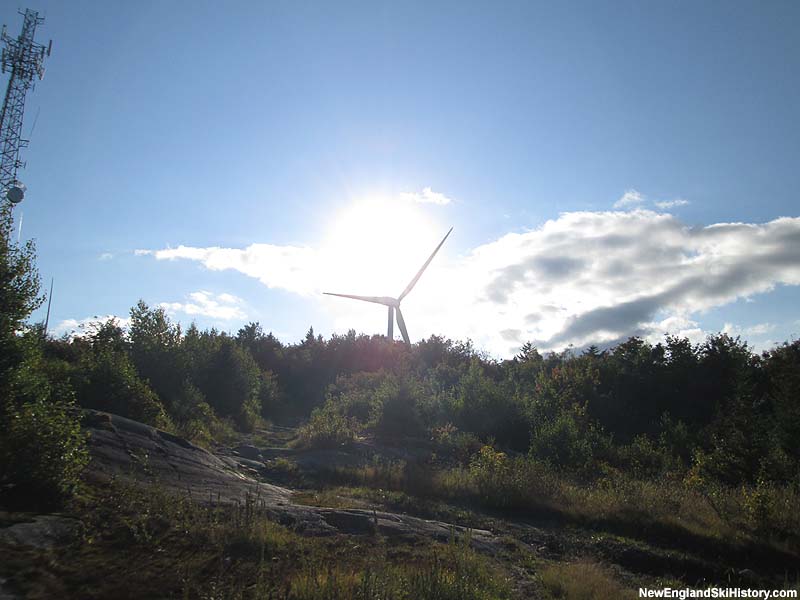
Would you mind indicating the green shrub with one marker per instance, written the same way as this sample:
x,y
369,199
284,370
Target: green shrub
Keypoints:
x,y
562,442
249,416
108,381
397,414
42,451
194,418
501,481
355,396
386,403
642,458
231,384
494,475
516,482
270,397
451,442
676,441
327,428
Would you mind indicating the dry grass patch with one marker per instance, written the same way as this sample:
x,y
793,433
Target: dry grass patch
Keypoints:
x,y
583,580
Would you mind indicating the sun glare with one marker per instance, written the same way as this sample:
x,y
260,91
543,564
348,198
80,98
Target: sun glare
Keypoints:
x,y
375,246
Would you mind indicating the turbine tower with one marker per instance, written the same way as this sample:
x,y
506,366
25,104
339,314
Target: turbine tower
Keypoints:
x,y
394,303
24,59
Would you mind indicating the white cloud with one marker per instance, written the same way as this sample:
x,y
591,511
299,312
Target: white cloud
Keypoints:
x,y
754,335
105,256
426,196
633,199
629,198
86,326
286,267
585,277
753,330
618,274
221,306
672,203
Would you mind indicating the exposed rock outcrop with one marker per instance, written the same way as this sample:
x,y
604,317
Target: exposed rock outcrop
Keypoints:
x,y
41,531
131,451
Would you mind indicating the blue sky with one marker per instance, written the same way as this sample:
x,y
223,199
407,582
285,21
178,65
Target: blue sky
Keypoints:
x,y
259,153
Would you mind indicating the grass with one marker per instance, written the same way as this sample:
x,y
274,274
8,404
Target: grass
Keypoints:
x,y
450,573
749,526
392,501
271,435
742,528
184,550
583,580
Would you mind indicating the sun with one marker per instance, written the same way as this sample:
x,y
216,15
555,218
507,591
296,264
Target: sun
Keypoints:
x,y
376,245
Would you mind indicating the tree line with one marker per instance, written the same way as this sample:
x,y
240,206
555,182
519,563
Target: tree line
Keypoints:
x,y
641,406
716,409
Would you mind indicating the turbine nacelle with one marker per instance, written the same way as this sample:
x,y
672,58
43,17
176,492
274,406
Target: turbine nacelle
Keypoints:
x,y
394,303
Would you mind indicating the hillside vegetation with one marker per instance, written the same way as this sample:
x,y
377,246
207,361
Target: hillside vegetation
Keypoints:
x,y
660,463
713,415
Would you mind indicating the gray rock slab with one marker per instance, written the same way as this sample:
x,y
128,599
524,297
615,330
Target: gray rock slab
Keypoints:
x,y
5,591
42,531
131,451
248,452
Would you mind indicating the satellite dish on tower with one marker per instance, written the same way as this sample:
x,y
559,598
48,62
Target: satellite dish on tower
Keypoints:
x,y
15,192
24,58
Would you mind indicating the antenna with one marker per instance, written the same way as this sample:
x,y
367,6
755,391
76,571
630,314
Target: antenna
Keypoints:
x,y
24,59
49,301
394,303
35,120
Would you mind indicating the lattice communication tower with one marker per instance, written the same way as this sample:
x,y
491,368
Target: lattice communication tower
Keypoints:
x,y
23,58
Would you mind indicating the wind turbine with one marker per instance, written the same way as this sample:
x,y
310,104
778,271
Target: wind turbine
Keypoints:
x,y
394,303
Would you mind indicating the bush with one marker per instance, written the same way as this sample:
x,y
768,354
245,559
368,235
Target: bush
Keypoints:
x,y
19,296
42,452
231,385
396,403
451,442
194,418
270,397
384,402
642,458
327,428
744,446
354,396
108,381
511,482
485,408
561,442
495,478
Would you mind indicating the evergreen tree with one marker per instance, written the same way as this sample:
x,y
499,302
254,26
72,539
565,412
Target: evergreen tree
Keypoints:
x,y
42,450
19,297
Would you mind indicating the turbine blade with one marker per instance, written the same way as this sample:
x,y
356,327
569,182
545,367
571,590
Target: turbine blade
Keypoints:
x,y
411,285
402,324
375,299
